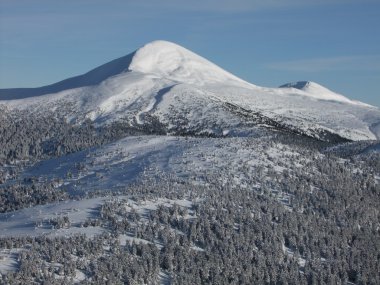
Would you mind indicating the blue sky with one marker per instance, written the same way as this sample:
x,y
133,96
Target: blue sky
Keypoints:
x,y
333,42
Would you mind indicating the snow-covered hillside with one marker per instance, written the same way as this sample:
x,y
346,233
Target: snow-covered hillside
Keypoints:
x,y
173,84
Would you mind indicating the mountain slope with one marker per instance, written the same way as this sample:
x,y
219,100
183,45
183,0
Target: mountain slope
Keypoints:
x,y
92,77
174,85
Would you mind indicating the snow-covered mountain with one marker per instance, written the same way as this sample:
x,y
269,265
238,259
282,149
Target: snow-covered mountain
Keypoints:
x,y
167,169
179,88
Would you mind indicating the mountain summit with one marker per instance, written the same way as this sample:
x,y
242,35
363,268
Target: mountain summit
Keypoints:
x,y
168,60
166,83
317,91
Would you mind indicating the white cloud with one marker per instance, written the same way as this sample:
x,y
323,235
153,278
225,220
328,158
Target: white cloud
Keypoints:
x,y
238,5
348,63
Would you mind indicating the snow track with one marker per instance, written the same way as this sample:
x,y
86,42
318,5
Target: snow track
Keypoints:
x,y
157,99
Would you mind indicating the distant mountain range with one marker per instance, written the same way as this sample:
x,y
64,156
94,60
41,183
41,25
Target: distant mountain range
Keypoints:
x,y
188,94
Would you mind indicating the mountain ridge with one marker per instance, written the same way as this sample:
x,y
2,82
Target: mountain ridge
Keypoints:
x,y
137,61
168,82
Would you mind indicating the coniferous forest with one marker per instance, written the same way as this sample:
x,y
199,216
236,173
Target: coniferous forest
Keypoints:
x,y
274,208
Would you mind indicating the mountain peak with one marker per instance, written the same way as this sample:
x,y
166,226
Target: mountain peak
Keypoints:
x,y
169,60
317,91
301,85
161,57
